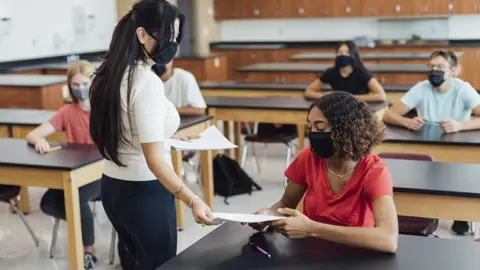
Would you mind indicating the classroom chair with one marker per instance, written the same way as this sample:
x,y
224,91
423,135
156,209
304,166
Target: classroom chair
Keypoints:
x,y
271,134
8,194
414,225
94,211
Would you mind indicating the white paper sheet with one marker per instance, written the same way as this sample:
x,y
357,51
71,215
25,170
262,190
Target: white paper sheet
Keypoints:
x,y
210,139
247,218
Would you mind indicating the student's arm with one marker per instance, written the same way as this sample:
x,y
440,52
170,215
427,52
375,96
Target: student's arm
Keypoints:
x,y
196,102
375,92
395,115
472,124
38,135
291,197
149,113
383,237
471,98
314,90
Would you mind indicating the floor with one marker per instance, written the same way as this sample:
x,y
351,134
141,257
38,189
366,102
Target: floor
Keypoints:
x,y
17,250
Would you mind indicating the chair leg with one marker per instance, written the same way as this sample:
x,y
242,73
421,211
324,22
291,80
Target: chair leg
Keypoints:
x,y
289,156
472,227
22,217
51,253
94,209
113,241
254,155
244,154
247,127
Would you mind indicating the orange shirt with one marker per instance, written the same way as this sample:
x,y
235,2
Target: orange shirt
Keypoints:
x,y
353,205
75,122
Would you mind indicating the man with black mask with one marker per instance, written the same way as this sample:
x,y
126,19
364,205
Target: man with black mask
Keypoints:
x,y
442,100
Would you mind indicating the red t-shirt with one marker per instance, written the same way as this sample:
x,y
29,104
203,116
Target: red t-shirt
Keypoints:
x,y
353,205
75,122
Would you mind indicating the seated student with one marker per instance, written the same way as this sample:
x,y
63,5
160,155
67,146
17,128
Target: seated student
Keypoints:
x,y
348,191
349,75
181,88
441,99
73,119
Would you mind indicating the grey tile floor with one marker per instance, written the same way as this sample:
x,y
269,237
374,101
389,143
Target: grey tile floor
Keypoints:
x,y
17,250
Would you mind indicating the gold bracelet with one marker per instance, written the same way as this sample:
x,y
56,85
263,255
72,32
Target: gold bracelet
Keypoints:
x,y
178,191
190,204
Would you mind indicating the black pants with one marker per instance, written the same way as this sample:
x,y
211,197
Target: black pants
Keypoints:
x,y
53,204
143,214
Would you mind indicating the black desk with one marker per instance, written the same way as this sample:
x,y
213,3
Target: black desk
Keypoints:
x,y
68,169
280,110
226,248
436,189
460,147
369,56
320,68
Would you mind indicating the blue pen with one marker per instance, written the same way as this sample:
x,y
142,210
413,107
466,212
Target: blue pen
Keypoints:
x,y
261,250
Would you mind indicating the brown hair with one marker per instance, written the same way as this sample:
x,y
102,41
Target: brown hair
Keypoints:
x,y
83,67
447,55
356,130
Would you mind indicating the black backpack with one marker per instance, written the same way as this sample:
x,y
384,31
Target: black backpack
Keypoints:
x,y
229,179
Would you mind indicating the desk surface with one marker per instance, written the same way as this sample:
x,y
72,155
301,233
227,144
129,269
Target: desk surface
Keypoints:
x,y
271,103
17,153
312,67
227,248
234,85
432,134
435,178
18,80
65,65
367,56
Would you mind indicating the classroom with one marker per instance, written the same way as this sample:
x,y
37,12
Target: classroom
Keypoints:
x,y
239,134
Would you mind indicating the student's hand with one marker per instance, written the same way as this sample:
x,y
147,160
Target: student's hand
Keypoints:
x,y
297,225
185,138
262,225
202,213
415,123
450,126
42,146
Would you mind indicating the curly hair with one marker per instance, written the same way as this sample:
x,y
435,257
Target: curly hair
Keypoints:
x,y
354,126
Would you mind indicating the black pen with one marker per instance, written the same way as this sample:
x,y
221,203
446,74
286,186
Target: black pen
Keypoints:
x,y
261,250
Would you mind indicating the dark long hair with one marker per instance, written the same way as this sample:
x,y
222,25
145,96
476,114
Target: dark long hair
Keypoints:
x,y
157,17
353,49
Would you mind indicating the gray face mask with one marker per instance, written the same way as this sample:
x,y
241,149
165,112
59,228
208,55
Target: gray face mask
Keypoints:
x,y
80,93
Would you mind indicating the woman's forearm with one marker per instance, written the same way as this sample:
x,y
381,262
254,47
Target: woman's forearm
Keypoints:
x,y
375,238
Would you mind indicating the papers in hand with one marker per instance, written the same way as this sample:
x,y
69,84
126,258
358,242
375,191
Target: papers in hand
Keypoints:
x,y
247,218
210,139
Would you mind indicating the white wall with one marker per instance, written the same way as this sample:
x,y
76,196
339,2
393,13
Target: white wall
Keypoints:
x,y
455,27
47,28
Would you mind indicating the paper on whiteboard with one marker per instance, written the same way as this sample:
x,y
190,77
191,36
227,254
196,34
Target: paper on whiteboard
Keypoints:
x,y
210,139
247,218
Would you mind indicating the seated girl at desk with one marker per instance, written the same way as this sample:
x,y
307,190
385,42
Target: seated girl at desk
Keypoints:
x,y
74,120
442,99
348,191
349,75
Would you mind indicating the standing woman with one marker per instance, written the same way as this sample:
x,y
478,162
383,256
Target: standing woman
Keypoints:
x,y
130,120
348,75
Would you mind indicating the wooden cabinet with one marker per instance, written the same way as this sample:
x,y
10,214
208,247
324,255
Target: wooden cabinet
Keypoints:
x,y
470,7
437,7
347,8
227,9
397,8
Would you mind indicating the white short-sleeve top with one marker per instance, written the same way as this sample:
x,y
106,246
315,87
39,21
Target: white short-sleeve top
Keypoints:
x,y
153,118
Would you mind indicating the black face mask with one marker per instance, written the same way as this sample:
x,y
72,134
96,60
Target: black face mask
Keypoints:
x,y
159,69
436,77
321,143
343,61
163,57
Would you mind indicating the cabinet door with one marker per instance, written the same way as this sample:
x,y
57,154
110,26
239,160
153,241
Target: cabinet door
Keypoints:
x,y
264,9
227,9
397,8
313,8
347,8
437,7
372,8
470,7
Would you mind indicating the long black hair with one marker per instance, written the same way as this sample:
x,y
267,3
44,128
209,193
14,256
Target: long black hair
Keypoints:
x,y
353,49
157,17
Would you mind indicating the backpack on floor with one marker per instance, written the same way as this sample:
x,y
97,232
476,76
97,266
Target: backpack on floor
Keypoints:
x,y
230,179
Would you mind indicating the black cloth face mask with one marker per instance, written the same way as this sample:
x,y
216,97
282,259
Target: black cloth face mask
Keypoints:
x,y
321,143
436,77
343,61
159,69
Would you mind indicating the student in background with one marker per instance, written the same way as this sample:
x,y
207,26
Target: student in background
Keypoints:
x,y
349,75
442,99
348,191
181,88
74,120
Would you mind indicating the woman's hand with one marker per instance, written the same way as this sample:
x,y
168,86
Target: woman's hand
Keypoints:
x,y
297,225
42,146
262,225
202,213
185,138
